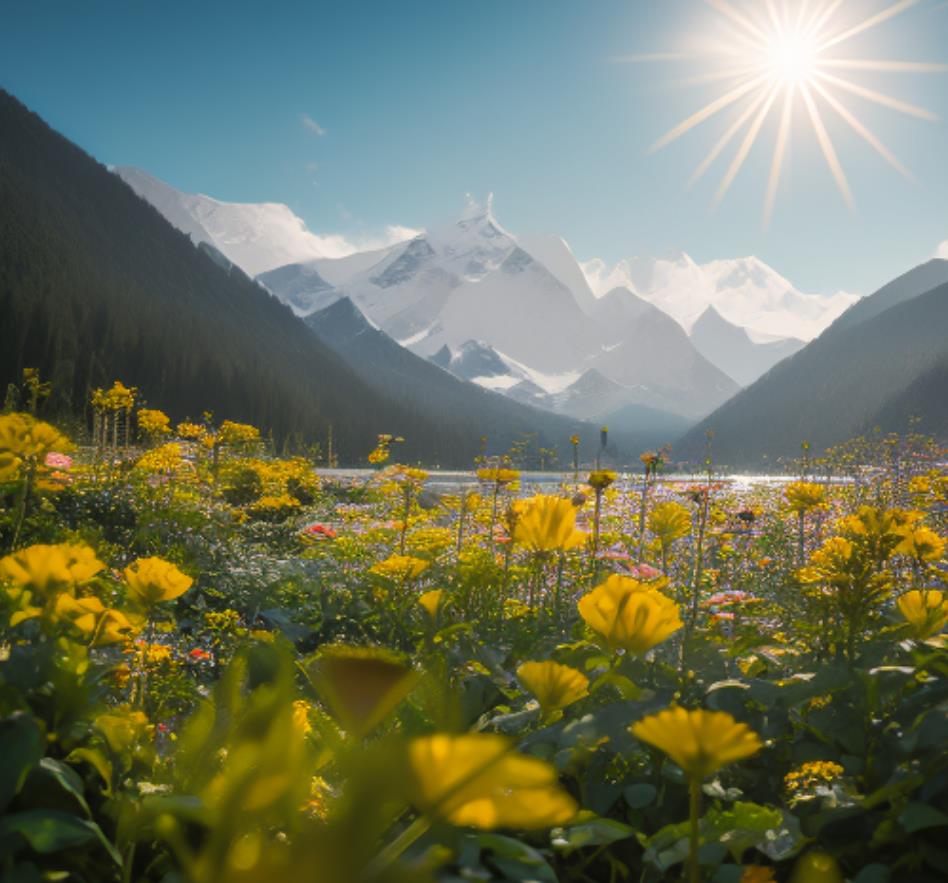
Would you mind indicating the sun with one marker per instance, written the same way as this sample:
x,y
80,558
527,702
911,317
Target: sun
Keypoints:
x,y
787,59
792,57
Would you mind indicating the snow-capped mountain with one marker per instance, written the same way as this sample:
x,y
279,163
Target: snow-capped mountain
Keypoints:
x,y
255,236
466,280
469,294
745,291
512,314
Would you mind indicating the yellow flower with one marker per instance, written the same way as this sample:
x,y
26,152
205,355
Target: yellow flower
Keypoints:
x,y
554,685
629,615
669,521
166,458
498,475
816,867
406,475
477,780
97,622
400,568
829,563
700,742
431,601
921,543
119,398
123,728
191,431
809,776
925,611
600,479
47,570
152,580
236,434
802,496
301,710
27,438
153,422
548,524
430,541
276,508
362,685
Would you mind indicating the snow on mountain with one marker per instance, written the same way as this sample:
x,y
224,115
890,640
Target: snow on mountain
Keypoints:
x,y
555,254
745,291
648,352
482,364
255,236
942,251
471,279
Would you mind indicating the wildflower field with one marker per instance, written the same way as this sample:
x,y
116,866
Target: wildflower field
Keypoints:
x,y
216,667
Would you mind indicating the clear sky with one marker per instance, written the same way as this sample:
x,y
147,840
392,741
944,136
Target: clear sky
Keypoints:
x,y
365,114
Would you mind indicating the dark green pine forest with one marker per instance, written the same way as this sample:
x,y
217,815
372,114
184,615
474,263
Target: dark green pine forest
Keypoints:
x,y
95,285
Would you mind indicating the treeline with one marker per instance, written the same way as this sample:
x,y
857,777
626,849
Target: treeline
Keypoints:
x,y
95,285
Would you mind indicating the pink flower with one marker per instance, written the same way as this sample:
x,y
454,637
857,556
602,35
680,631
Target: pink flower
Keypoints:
x,y
58,461
645,571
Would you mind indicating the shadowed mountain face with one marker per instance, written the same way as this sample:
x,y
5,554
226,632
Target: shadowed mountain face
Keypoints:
x,y
405,377
470,283
734,352
881,370
96,285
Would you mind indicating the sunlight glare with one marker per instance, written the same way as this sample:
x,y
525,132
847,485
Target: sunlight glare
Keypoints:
x,y
779,55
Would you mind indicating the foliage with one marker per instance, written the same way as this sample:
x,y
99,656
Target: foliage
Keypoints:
x,y
374,682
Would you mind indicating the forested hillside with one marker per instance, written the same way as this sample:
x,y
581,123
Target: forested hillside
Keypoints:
x,y
886,371
96,285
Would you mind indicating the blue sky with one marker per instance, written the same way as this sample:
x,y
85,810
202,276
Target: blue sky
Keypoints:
x,y
419,102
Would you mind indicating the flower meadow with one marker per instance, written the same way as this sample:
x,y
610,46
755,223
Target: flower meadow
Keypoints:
x,y
217,666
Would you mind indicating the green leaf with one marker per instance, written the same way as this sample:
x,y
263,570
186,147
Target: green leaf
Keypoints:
x,y
98,761
594,831
49,831
919,816
625,687
55,773
21,747
742,826
873,874
517,860
641,795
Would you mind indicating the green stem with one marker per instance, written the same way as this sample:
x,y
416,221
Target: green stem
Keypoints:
x,y
22,504
694,808
397,847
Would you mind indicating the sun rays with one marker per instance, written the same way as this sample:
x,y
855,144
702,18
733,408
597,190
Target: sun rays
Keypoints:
x,y
784,61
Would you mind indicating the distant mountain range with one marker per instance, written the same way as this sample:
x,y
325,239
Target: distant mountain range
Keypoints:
x,y
731,348
744,291
880,364
95,285
405,377
449,335
473,283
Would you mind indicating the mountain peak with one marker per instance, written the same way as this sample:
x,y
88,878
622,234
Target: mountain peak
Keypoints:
x,y
475,210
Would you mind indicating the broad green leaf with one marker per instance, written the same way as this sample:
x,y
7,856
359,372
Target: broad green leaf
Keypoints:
x,y
54,774
640,795
591,831
919,816
516,859
48,831
21,747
